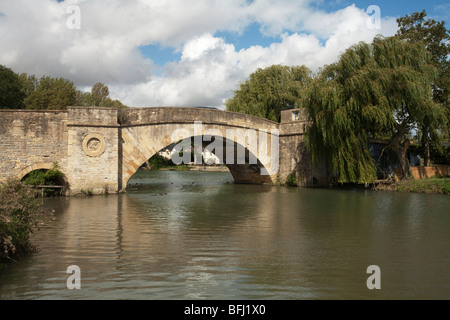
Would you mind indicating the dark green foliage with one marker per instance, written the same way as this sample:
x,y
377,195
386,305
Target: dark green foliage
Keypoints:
x,y
50,93
51,177
11,94
440,156
20,214
27,91
378,89
436,38
157,162
110,103
270,90
291,181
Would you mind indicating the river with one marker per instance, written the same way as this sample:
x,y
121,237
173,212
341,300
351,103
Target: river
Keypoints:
x,y
196,235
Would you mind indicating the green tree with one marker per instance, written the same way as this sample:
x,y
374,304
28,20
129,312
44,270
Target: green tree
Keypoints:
x,y
383,88
110,103
83,99
99,92
29,83
52,93
269,90
11,94
436,38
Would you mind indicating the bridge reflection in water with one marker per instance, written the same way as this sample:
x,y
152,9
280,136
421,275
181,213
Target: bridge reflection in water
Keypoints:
x,y
193,235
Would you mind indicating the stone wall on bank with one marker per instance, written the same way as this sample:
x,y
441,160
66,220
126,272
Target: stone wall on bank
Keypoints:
x,y
424,172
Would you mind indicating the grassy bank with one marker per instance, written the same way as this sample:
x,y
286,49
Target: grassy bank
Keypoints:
x,y
431,185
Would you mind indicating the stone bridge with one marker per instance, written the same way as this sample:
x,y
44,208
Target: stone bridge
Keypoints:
x,y
100,149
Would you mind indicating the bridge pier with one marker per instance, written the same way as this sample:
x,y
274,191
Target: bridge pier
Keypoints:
x,y
93,147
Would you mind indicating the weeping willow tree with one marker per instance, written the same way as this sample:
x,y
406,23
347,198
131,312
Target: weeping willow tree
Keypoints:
x,y
269,90
436,39
379,89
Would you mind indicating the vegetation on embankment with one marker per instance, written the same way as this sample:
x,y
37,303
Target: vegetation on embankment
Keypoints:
x,y
21,213
51,177
431,185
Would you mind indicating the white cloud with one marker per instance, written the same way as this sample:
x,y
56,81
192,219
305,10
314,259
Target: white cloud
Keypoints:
x,y
36,40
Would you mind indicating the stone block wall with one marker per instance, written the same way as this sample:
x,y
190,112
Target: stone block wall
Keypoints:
x,y
295,158
93,149
32,140
424,172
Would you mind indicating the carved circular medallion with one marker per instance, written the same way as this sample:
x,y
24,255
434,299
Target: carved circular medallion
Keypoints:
x,y
94,145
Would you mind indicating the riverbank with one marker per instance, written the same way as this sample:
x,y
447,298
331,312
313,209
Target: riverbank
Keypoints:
x,y
430,185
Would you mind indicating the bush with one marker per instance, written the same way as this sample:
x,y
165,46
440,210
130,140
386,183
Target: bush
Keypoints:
x,y
20,213
291,180
157,162
51,177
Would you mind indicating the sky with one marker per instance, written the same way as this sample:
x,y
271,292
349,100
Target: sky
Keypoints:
x,y
187,53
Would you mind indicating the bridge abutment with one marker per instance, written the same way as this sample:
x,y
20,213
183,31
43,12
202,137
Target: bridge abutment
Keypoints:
x,y
295,158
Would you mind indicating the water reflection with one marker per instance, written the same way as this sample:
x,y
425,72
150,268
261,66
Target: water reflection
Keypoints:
x,y
197,236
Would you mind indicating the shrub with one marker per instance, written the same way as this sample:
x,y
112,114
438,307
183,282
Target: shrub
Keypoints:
x,y
291,180
20,213
51,177
157,162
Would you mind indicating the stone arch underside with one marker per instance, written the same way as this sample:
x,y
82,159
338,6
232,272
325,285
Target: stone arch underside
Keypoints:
x,y
140,143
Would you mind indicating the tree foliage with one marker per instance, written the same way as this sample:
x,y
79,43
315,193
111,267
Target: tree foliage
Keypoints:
x,y
383,88
49,93
110,103
11,94
28,91
99,92
20,214
269,90
436,38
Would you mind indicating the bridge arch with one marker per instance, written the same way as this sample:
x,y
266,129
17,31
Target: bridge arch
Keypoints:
x,y
237,148
37,166
61,181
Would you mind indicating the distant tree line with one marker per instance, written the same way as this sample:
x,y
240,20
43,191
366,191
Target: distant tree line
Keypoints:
x,y
391,89
23,91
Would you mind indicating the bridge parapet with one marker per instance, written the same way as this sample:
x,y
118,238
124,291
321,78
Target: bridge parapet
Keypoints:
x,y
173,115
88,116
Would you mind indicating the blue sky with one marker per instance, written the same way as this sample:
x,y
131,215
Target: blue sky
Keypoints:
x,y
185,53
439,10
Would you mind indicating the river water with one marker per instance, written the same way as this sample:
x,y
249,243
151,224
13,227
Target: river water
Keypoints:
x,y
195,235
